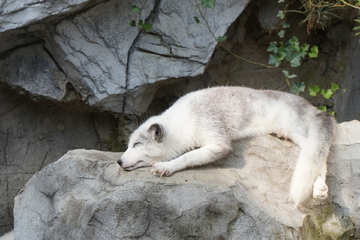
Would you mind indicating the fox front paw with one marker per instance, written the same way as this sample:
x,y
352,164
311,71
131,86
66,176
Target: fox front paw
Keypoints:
x,y
160,169
320,189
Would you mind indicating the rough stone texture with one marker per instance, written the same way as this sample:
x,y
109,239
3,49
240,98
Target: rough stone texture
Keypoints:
x,y
85,195
32,69
102,56
33,135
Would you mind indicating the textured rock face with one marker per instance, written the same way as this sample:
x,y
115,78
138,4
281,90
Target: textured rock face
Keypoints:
x,y
85,195
101,55
33,135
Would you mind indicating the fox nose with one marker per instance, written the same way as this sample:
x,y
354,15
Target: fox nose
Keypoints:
x,y
120,162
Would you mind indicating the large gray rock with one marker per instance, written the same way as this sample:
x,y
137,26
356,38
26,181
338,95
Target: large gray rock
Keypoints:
x,y
86,195
32,135
32,69
109,63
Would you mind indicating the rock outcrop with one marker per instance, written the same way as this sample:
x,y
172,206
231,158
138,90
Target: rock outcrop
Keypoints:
x,y
90,46
86,195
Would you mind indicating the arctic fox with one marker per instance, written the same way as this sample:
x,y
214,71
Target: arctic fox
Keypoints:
x,y
200,126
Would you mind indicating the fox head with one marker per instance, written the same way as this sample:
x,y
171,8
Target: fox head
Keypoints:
x,y
145,146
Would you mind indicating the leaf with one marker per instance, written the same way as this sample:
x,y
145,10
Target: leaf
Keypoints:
x,y
323,108
295,62
280,1
314,52
282,53
285,24
140,23
274,60
334,87
332,113
294,44
303,49
288,75
208,3
297,87
221,39
133,23
314,90
134,9
146,26
281,14
281,34
196,20
273,47
344,90
327,94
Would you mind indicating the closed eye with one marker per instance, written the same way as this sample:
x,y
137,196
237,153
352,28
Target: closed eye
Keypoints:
x,y
137,143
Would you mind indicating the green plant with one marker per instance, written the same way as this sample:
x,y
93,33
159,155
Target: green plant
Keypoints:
x,y
140,23
331,92
289,52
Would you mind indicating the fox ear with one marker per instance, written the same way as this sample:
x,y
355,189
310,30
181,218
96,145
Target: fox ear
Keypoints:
x,y
156,131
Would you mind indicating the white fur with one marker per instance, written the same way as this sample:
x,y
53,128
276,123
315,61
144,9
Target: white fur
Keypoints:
x,y
8,236
199,127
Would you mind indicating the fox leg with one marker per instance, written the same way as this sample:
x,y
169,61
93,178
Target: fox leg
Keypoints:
x,y
197,157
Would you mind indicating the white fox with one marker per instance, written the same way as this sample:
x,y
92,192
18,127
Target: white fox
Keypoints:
x,y
200,126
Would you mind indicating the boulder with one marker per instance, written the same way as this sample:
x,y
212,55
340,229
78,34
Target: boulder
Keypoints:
x,y
86,195
91,47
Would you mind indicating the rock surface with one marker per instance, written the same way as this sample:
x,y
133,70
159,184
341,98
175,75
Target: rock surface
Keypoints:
x,y
32,135
93,47
86,195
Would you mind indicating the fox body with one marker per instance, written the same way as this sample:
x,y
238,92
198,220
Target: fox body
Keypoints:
x,y
200,126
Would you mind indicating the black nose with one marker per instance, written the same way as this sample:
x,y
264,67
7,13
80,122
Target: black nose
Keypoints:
x,y
119,162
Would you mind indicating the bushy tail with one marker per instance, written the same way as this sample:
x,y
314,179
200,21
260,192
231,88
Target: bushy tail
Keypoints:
x,y
313,156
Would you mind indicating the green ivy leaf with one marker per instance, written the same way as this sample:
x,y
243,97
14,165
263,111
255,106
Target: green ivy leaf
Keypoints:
x,y
323,108
274,60
285,24
133,23
281,33
140,23
314,90
334,87
221,39
208,3
297,87
282,53
344,90
289,54
273,47
146,26
303,49
196,20
281,14
134,9
332,113
288,75
327,94
314,52
295,62
294,44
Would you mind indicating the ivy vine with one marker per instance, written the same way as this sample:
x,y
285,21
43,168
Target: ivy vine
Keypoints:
x,y
287,52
